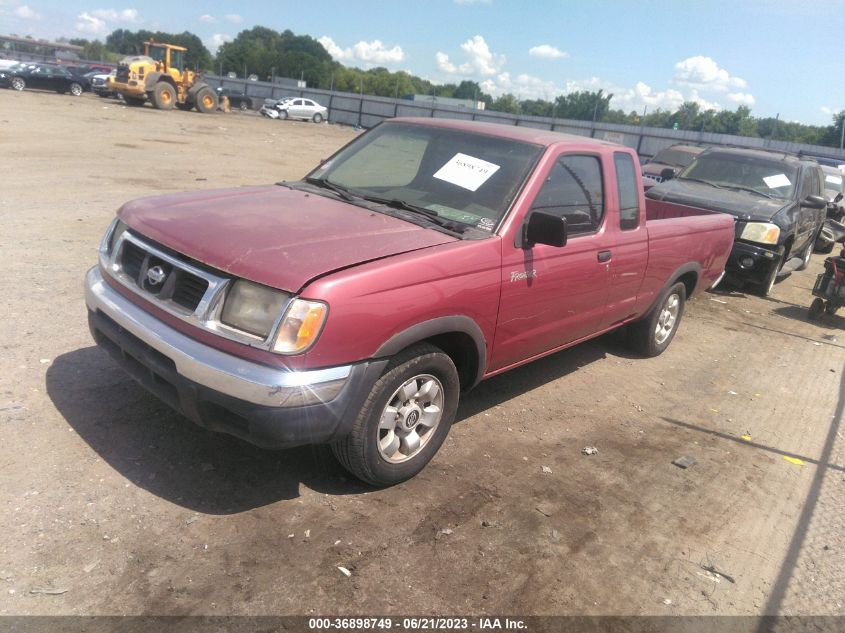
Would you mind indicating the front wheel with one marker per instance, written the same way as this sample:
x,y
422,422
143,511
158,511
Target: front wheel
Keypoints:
x,y
816,309
765,288
163,96
76,89
206,100
283,114
18,83
404,420
806,256
652,335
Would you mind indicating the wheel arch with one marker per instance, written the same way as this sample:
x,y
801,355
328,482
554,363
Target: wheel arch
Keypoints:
x,y
688,274
459,337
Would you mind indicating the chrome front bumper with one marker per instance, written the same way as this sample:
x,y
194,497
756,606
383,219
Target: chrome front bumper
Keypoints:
x,y
199,363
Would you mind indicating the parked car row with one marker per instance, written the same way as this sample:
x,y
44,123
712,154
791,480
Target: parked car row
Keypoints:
x,y
43,77
294,108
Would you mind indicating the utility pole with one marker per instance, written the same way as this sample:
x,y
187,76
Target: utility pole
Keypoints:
x,y
775,126
842,132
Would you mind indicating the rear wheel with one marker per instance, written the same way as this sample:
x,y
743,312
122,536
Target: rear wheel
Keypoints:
x,y
164,96
75,89
206,100
317,118
18,83
653,334
404,420
816,309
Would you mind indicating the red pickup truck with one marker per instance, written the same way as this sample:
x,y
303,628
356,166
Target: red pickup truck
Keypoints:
x,y
352,307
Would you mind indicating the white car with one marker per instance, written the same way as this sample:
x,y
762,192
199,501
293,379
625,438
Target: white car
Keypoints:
x,y
306,109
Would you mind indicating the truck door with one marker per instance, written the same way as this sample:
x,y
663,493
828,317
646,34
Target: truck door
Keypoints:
x,y
552,296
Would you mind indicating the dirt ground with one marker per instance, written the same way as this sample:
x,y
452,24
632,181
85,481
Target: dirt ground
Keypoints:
x,y
113,504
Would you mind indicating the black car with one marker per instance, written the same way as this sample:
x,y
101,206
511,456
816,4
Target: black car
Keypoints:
x,y
236,99
44,77
776,198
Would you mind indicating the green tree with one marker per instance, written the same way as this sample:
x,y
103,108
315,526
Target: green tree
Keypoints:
x,y
128,42
506,103
583,105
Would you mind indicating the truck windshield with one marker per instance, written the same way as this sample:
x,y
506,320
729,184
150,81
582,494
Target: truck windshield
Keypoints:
x,y
674,157
773,179
463,177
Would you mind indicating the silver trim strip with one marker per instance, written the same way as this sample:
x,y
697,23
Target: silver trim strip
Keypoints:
x,y
207,366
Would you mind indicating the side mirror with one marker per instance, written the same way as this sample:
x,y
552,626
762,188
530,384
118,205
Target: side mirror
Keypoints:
x,y
543,228
814,202
667,174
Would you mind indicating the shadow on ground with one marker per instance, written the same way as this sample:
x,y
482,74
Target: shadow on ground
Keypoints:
x,y
166,454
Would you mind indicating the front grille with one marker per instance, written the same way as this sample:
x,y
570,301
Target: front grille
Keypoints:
x,y
160,277
122,75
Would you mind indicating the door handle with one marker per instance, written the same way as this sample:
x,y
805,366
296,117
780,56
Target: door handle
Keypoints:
x,y
604,256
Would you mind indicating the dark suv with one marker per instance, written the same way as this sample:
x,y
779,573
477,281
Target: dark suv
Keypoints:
x,y
777,199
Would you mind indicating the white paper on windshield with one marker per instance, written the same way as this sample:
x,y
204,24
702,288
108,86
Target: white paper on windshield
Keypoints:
x,y
466,171
773,182
836,180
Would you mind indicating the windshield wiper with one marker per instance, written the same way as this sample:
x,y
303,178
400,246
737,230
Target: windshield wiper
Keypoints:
x,y
706,182
343,192
750,190
431,214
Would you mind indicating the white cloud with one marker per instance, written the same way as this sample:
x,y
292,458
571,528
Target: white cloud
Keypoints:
x,y
216,41
113,15
234,18
524,86
208,19
374,52
831,111
742,98
27,13
481,60
547,51
87,23
705,74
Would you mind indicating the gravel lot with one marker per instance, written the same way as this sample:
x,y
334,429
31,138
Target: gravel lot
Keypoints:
x,y
112,504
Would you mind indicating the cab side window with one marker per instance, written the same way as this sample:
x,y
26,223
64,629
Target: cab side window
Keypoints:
x,y
574,190
629,191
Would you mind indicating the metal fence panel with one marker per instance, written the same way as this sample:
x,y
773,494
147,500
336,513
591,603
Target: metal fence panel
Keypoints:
x,y
367,110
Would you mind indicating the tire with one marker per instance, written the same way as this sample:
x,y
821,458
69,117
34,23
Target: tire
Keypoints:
x,y
653,334
807,255
76,89
765,289
385,446
163,96
283,114
816,309
831,308
317,118
244,106
134,102
18,83
206,100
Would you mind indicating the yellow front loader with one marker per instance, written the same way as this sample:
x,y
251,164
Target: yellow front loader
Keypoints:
x,y
160,76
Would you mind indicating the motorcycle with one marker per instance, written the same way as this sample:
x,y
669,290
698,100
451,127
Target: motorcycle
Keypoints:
x,y
829,288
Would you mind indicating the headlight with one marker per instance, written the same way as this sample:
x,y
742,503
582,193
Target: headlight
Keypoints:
x,y
252,307
301,326
761,232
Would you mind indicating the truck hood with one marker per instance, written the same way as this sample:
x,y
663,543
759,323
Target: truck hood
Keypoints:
x,y
742,204
273,235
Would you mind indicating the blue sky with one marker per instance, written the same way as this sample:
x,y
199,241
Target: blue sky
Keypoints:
x,y
776,56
